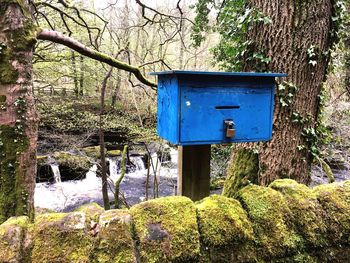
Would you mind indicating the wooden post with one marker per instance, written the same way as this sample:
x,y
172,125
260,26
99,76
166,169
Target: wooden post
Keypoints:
x,y
194,171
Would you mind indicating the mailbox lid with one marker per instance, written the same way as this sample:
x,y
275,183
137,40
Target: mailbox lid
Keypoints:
x,y
218,73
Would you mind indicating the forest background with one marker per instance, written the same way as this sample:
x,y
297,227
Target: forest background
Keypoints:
x,y
81,100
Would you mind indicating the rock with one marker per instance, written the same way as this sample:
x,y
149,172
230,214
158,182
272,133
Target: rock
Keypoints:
x,y
12,240
60,237
167,230
92,151
225,230
115,238
92,212
72,167
275,234
285,222
114,153
307,211
335,201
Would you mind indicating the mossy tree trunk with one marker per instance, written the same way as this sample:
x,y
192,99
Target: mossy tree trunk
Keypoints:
x,y
18,120
298,41
242,171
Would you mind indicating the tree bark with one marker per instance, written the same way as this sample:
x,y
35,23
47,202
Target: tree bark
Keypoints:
x,y
18,120
297,28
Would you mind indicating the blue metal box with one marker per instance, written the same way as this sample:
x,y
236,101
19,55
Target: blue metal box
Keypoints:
x,y
215,107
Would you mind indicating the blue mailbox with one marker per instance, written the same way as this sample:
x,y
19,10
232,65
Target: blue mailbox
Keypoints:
x,y
197,107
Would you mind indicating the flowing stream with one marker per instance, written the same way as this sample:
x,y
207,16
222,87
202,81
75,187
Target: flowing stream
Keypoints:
x,y
56,172
67,195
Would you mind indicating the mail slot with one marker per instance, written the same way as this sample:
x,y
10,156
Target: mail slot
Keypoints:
x,y
196,107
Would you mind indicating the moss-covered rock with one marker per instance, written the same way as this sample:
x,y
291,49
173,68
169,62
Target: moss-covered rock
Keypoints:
x,y
335,200
92,151
12,243
167,230
114,153
62,238
267,224
267,209
225,229
115,238
92,212
72,167
306,210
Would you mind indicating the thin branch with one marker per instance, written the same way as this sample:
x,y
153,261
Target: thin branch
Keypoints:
x,y
59,38
154,62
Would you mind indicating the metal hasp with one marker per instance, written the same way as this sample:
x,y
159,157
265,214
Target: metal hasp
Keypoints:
x,y
198,108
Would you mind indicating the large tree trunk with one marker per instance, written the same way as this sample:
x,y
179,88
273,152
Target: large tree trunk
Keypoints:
x,y
298,41
18,121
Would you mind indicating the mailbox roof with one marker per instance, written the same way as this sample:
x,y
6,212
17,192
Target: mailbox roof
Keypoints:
x,y
216,73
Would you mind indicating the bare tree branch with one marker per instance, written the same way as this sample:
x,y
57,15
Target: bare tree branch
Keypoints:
x,y
59,38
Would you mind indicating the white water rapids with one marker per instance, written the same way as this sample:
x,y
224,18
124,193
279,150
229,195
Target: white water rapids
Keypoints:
x,y
65,196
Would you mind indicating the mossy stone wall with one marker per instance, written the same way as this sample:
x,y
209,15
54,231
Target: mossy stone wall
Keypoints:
x,y
285,222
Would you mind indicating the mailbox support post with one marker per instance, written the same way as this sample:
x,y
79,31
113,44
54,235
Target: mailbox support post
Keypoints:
x,y
194,171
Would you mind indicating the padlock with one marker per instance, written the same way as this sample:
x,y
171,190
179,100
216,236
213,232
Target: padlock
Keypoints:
x,y
230,128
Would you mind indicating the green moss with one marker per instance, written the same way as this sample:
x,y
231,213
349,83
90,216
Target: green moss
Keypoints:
x,y
225,229
13,197
335,201
61,238
115,238
74,161
12,234
3,99
298,258
93,152
24,38
8,74
40,211
76,165
274,231
167,230
242,170
307,212
92,212
114,153
327,169
26,33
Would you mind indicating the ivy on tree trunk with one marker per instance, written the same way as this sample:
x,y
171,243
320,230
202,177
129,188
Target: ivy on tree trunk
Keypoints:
x,y
18,120
293,37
